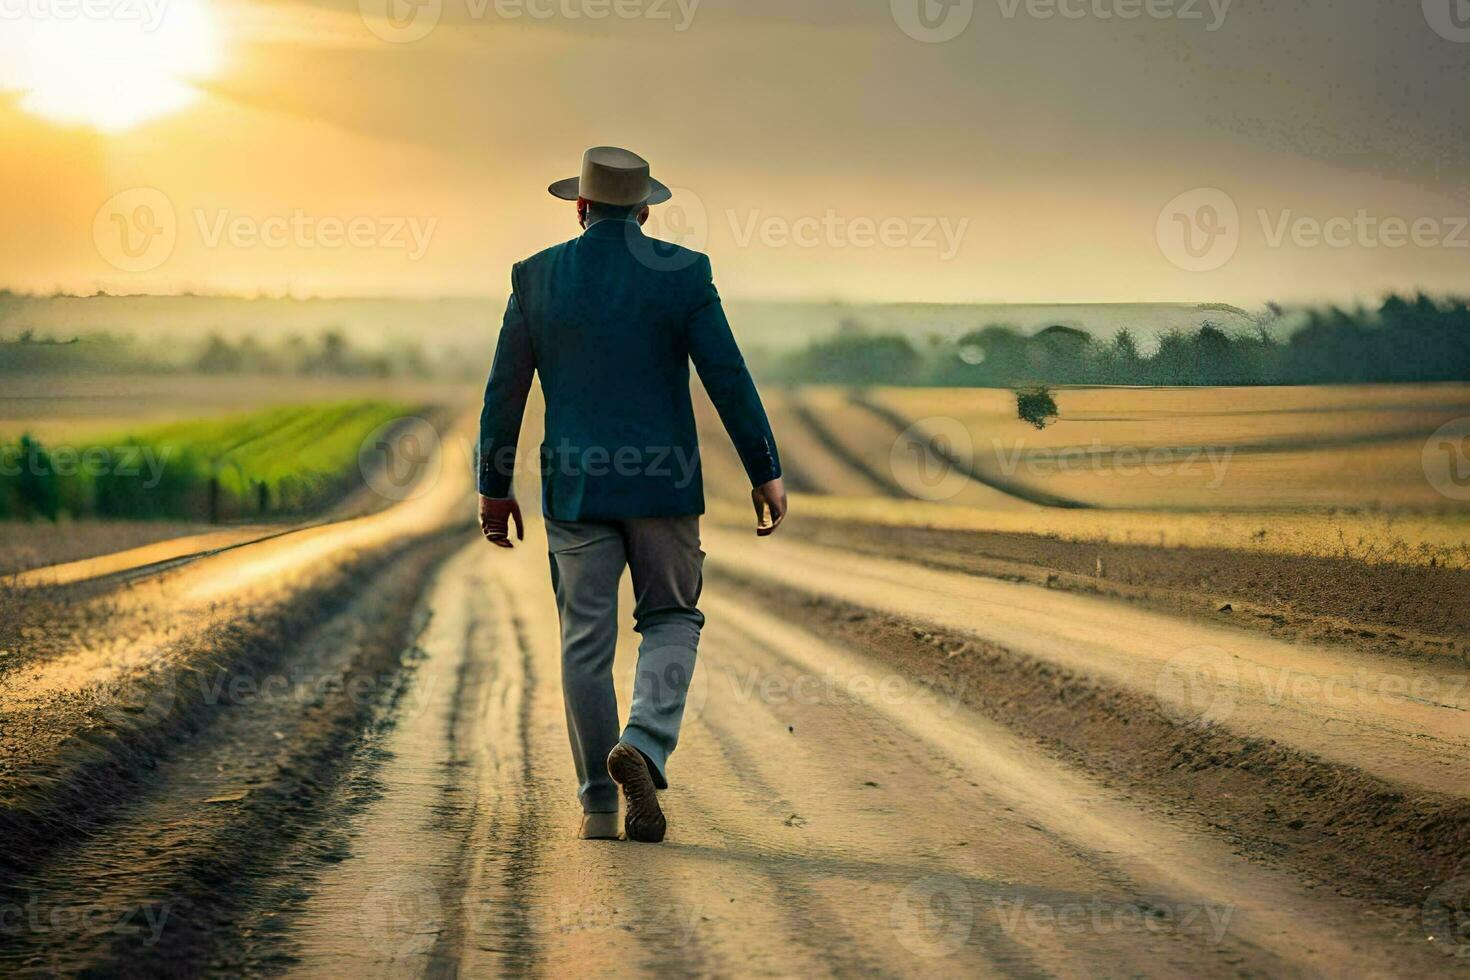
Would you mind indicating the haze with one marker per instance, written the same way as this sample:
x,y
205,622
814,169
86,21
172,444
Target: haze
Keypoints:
x,y
819,151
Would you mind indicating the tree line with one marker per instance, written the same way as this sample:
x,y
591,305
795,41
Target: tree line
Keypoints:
x,y
330,353
1414,339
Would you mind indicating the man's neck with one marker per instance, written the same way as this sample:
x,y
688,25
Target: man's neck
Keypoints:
x,y
598,221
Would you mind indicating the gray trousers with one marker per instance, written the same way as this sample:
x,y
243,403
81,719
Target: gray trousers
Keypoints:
x,y
587,561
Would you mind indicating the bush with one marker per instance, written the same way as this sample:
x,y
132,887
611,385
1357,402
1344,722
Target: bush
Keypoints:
x,y
1036,405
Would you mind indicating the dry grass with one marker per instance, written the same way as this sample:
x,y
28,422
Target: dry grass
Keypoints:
x,y
36,544
1436,540
1207,449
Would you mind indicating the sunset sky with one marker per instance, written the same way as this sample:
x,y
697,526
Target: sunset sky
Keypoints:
x,y
817,149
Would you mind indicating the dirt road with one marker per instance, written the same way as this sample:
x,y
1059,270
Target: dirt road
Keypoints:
x,y
828,815
378,783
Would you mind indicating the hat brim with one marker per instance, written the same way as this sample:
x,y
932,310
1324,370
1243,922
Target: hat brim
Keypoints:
x,y
569,190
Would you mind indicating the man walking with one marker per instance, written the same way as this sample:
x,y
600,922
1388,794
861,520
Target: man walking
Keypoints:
x,y
610,321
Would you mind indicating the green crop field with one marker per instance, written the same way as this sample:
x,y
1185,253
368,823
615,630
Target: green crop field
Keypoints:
x,y
276,461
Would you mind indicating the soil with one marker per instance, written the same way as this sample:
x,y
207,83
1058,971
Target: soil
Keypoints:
x,y
1343,828
1390,608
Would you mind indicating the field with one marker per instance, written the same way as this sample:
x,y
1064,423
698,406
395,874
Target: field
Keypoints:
x,y
1110,689
286,460
1307,448
294,435
54,408
1320,471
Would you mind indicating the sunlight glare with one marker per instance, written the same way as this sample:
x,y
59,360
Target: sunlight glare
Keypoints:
x,y
112,64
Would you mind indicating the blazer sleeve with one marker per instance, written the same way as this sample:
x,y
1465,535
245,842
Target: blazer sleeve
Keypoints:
x,y
505,401
722,369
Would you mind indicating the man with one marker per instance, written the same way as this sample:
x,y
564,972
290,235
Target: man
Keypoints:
x,y
610,321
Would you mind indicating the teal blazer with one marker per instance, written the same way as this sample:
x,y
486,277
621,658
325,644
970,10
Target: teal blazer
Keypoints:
x,y
611,321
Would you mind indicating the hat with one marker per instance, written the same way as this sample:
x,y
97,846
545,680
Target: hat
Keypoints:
x,y
612,175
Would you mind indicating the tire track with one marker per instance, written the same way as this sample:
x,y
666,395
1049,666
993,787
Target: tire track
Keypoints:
x,y
882,482
902,426
262,768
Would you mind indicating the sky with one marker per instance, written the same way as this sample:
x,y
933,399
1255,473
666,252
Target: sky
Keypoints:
x,y
859,150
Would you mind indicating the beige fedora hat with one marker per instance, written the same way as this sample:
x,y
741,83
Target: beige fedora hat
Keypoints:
x,y
612,175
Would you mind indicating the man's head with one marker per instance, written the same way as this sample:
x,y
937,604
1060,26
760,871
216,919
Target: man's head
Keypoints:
x,y
590,212
614,183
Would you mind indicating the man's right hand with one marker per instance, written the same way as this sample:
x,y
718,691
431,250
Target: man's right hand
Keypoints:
x,y
770,506
495,517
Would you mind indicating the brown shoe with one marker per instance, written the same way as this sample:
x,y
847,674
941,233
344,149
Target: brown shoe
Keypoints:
x,y
644,818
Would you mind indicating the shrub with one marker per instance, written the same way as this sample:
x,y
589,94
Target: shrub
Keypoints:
x,y
1036,406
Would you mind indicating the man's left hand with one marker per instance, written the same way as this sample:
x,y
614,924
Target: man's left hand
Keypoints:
x,y
495,517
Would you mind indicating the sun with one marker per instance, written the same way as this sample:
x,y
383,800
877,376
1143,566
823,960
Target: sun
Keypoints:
x,y
111,64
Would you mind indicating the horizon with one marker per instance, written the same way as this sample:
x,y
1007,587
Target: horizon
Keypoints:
x,y
1357,302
